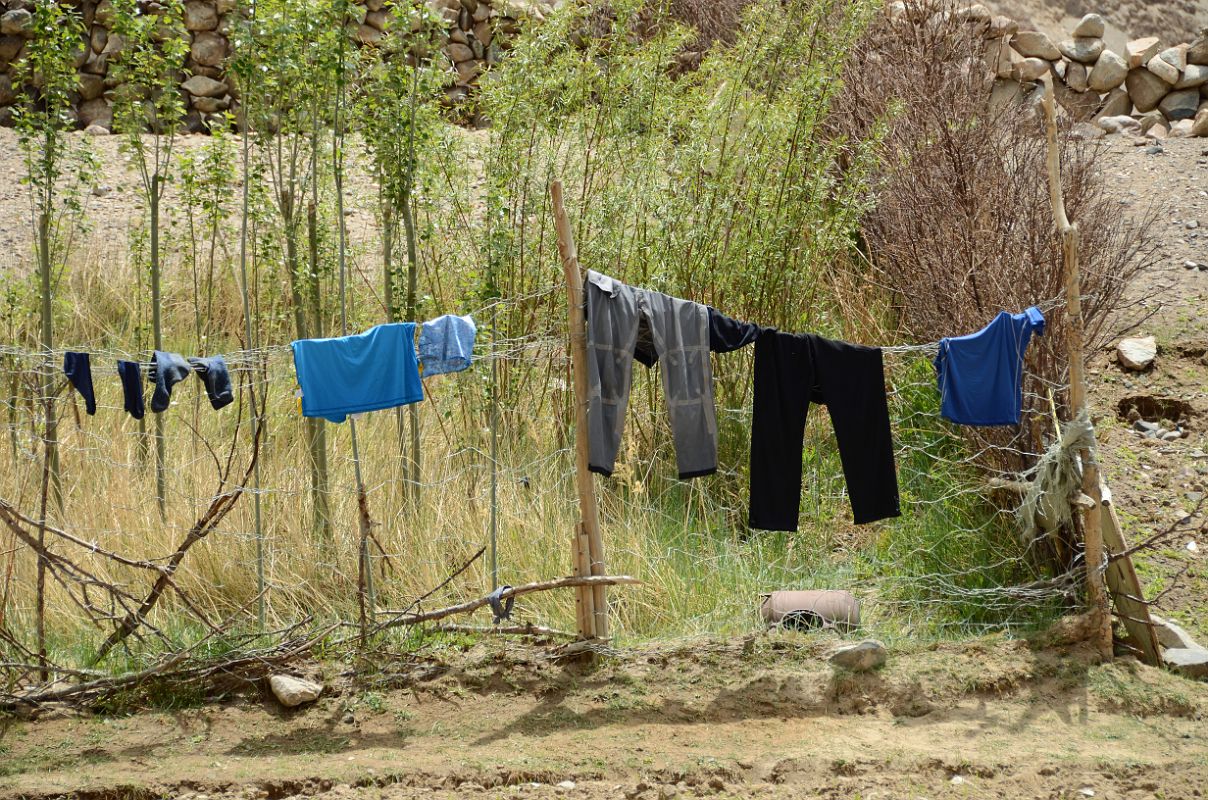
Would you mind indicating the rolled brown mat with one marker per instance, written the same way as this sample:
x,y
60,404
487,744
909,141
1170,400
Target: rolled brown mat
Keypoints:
x,y
816,608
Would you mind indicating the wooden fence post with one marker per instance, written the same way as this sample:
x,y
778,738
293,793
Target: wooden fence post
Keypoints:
x,y
588,560
1092,527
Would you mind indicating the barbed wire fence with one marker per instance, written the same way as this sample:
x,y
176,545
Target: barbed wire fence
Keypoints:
x,y
952,564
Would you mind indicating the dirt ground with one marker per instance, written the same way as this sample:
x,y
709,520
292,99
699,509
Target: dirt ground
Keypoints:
x,y
761,717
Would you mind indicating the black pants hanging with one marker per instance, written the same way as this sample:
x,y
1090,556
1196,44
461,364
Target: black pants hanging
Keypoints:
x,y
791,371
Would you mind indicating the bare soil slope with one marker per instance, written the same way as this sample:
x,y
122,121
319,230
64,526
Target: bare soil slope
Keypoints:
x,y
762,717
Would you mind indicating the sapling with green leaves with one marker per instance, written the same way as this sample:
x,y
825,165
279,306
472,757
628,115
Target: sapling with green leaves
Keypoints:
x,y
146,70
288,51
58,169
398,117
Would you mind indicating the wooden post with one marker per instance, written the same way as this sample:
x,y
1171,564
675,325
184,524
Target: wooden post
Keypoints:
x,y
593,602
1092,527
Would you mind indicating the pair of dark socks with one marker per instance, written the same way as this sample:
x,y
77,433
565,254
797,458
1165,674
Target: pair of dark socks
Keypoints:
x,y
167,370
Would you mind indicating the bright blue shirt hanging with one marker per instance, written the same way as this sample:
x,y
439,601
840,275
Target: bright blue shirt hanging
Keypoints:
x,y
980,376
365,372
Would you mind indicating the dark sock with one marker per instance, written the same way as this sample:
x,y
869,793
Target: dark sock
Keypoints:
x,y
132,387
169,370
217,380
78,369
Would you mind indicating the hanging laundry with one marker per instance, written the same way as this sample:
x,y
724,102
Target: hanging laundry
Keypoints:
x,y
78,369
167,370
216,378
725,336
792,371
446,344
364,372
132,387
678,333
980,376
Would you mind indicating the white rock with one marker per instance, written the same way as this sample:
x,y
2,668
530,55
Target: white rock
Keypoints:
x,y
1171,634
566,785
1108,73
1181,129
1034,44
291,691
1119,124
1194,75
1175,56
1137,353
1082,49
1090,25
1189,661
860,657
1164,70
1030,69
1139,51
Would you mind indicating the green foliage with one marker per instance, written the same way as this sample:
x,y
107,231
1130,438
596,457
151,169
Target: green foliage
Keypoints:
x,y
146,71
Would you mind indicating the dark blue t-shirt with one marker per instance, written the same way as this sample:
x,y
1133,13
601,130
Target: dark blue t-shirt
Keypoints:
x,y
980,375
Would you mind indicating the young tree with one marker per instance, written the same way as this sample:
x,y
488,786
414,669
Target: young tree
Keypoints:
x,y
397,118
288,50
146,72
58,168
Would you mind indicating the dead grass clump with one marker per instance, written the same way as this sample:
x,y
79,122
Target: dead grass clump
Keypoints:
x,y
962,227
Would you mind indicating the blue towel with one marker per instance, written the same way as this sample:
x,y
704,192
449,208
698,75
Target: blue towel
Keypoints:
x,y
446,344
366,372
980,376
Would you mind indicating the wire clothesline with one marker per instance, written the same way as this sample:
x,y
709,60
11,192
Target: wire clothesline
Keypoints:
x,y
258,358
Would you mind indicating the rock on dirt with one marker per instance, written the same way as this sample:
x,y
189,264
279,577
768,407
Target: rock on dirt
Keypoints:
x,y
1189,661
291,691
861,657
1171,635
1137,353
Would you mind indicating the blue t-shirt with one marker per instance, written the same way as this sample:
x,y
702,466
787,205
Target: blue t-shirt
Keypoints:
x,y
980,376
365,372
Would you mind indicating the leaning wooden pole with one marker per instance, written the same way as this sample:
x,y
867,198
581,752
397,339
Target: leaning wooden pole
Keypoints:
x,y
587,546
1093,517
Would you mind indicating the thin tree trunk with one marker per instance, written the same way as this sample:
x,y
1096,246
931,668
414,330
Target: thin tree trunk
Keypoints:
x,y
316,427
50,463
157,334
415,468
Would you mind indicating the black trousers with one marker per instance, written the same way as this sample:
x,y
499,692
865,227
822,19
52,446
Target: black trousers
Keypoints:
x,y
791,371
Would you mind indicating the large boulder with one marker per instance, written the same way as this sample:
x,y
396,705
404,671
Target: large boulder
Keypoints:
x,y
1182,104
1137,353
10,47
1145,89
1075,76
200,15
1200,126
201,86
1030,69
1175,56
1193,75
209,48
17,22
1191,662
1139,51
1108,73
291,691
1091,26
1034,44
1197,51
1116,104
1083,49
91,86
1168,72
862,657
96,112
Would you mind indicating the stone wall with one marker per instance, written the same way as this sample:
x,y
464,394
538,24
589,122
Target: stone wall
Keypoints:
x,y
1154,88
475,35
